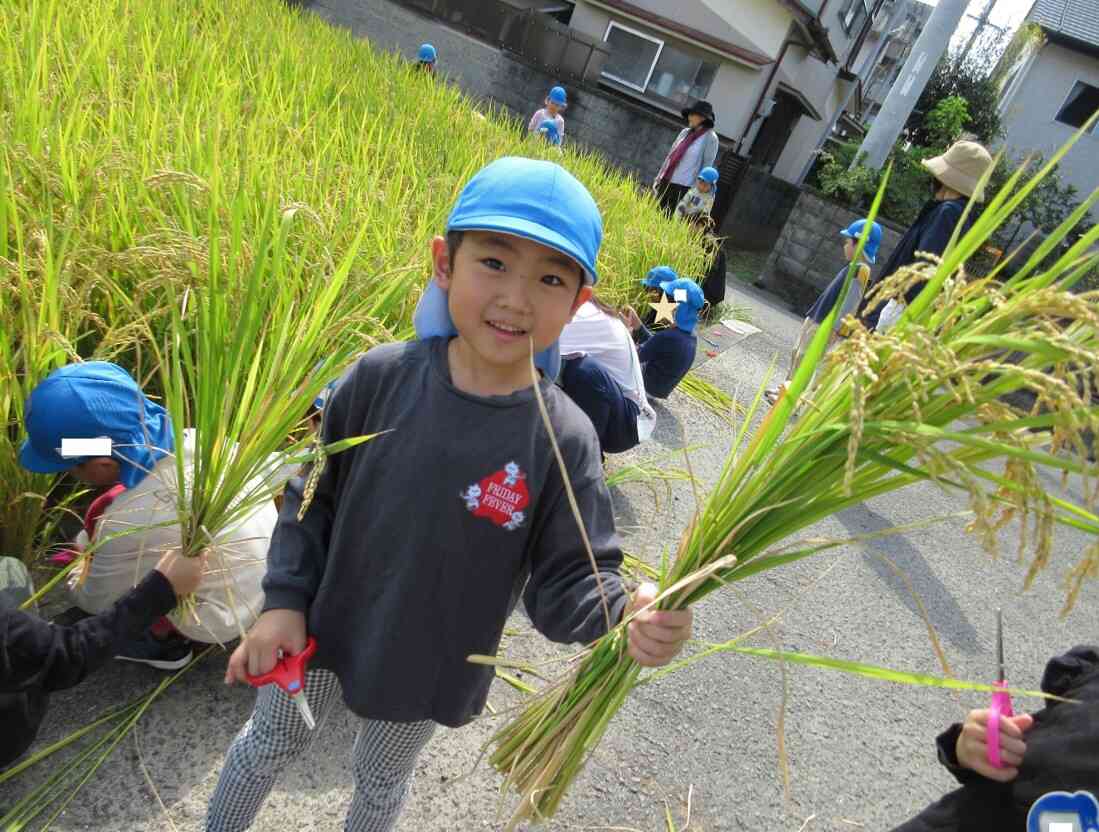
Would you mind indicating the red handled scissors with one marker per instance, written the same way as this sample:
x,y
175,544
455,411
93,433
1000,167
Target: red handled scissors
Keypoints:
x,y
1001,700
289,674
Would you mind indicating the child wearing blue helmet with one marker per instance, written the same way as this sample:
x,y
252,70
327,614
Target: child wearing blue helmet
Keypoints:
x,y
551,111
697,203
828,298
426,56
416,546
668,354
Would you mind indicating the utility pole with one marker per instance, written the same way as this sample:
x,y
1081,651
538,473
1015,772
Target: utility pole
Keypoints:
x,y
902,98
982,21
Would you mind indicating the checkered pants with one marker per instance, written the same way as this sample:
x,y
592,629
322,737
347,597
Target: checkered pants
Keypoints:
x,y
383,759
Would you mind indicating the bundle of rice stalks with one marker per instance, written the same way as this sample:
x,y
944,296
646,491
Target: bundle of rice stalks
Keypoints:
x,y
923,403
712,398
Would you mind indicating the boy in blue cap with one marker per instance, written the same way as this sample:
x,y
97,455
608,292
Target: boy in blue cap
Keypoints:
x,y
416,546
828,298
100,400
668,354
551,110
426,56
699,200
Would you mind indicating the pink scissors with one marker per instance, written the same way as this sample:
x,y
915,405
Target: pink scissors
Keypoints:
x,y
1001,699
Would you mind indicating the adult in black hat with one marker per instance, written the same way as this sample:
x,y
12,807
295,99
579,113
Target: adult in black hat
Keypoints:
x,y
694,148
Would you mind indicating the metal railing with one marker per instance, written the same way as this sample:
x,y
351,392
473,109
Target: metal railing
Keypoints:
x,y
528,34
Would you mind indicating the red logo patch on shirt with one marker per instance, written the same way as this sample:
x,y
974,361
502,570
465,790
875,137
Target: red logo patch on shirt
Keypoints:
x,y
500,497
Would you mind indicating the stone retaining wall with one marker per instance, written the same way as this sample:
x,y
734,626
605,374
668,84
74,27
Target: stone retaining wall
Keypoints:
x,y
809,250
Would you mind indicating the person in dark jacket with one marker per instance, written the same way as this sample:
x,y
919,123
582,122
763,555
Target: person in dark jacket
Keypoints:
x,y
37,658
1056,749
668,354
957,174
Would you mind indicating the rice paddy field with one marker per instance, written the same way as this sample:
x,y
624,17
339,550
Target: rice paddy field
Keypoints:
x,y
231,199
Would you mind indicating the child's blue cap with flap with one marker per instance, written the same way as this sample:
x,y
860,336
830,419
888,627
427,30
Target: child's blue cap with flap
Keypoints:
x,y
687,309
658,275
557,96
529,198
549,129
427,53
873,239
90,400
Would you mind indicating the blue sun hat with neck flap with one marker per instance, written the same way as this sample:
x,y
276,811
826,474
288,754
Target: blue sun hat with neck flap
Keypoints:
x,y
529,198
689,300
658,275
92,400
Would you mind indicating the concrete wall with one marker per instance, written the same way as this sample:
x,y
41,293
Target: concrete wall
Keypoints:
x,y
809,251
1029,119
631,137
759,211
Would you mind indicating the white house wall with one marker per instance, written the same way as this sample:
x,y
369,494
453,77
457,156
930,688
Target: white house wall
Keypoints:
x,y
733,90
1030,117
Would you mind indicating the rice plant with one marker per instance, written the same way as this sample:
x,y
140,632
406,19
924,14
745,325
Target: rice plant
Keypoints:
x,y
150,156
924,402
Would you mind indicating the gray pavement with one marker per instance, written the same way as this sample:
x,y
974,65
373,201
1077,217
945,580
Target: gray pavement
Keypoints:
x,y
860,752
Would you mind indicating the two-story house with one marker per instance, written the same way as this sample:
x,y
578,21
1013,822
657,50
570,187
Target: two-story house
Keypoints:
x,y
1050,87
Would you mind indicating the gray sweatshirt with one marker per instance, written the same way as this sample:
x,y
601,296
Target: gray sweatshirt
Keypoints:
x,y
418,544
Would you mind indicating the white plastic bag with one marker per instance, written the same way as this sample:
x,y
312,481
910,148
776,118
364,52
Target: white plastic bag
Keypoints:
x,y
890,315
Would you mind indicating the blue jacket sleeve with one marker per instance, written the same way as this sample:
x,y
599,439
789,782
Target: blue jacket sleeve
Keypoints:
x,y
299,550
940,226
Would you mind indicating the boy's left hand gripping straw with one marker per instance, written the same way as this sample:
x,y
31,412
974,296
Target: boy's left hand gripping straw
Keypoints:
x,y
289,674
1001,700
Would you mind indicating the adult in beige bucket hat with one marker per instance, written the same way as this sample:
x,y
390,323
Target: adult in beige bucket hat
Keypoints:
x,y
961,168
957,174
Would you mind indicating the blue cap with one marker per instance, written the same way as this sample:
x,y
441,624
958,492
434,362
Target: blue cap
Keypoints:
x,y
90,400
708,174
686,311
557,96
549,129
658,275
873,240
529,198
427,53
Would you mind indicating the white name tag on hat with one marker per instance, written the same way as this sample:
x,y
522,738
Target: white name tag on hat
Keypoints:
x,y
680,295
100,446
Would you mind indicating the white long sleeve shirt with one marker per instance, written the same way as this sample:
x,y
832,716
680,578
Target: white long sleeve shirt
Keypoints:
x,y
229,598
605,338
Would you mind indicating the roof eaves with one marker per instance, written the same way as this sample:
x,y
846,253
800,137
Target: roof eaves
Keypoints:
x,y
730,51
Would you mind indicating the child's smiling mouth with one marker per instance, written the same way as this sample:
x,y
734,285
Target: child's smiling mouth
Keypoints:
x,y
505,330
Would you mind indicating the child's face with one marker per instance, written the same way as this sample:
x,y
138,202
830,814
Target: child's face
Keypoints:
x,y
552,107
504,290
849,246
99,471
703,186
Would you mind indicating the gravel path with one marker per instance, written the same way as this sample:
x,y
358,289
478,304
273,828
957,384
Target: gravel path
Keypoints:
x,y
860,752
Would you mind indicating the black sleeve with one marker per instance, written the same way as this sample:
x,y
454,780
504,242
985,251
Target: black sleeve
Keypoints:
x,y
37,654
298,551
563,597
946,745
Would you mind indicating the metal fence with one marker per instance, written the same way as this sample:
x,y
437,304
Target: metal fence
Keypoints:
x,y
530,35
